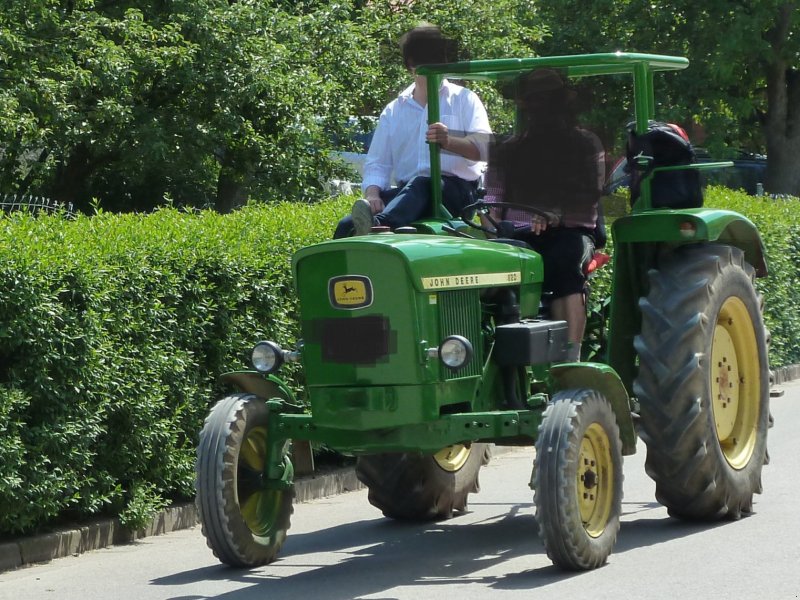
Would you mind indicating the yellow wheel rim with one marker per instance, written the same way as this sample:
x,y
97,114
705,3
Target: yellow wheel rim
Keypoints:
x,y
735,382
258,506
595,480
254,449
452,458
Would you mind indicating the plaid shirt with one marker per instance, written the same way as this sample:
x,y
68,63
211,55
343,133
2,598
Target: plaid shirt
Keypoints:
x,y
579,211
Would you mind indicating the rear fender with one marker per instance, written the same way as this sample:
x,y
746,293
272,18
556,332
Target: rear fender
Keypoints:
x,y
603,379
692,226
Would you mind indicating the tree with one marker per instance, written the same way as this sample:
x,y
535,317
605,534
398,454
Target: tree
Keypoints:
x,y
208,102
205,102
75,79
743,83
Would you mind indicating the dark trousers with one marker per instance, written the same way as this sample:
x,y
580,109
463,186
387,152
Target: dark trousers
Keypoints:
x,y
565,253
410,201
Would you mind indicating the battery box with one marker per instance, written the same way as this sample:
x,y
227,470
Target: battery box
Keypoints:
x,y
531,342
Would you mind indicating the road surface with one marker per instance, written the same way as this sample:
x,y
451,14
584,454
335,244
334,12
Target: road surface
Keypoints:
x,y
341,548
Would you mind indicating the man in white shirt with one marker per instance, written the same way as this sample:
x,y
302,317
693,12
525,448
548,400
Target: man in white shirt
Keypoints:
x,y
400,152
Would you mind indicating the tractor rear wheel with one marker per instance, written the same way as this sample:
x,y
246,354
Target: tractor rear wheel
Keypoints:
x,y
703,383
423,487
578,479
244,516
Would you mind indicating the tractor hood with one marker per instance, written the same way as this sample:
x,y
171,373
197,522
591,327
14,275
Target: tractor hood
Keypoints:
x,y
372,306
435,263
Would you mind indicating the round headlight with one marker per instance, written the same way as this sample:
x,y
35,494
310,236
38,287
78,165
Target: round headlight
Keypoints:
x,y
455,352
267,357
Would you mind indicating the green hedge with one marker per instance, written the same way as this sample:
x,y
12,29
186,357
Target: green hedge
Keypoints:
x,y
113,329
778,223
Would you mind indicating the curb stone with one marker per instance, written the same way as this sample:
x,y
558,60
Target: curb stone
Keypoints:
x,y
784,374
10,556
102,534
108,532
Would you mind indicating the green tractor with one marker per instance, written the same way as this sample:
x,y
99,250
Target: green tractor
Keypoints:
x,y
423,348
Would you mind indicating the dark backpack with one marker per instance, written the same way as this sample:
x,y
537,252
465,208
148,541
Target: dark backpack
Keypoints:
x,y
667,145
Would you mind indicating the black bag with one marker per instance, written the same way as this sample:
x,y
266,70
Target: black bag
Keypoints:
x,y
667,145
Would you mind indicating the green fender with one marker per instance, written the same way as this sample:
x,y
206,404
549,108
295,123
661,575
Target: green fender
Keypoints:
x,y
694,225
604,379
281,399
263,386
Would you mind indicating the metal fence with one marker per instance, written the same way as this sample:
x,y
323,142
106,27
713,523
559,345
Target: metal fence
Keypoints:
x,y
35,205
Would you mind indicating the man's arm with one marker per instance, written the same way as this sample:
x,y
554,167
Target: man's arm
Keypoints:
x,y
438,133
474,135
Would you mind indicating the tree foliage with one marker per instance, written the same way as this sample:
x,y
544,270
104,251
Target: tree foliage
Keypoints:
x,y
206,102
132,102
743,82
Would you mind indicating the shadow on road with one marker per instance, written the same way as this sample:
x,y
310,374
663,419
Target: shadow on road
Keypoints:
x,y
372,557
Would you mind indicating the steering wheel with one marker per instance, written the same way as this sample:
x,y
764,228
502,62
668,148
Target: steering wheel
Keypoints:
x,y
502,228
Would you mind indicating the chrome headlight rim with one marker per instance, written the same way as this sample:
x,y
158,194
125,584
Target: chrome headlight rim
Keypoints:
x,y
455,352
267,357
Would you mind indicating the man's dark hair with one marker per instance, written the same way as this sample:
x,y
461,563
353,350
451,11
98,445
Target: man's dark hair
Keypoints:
x,y
425,45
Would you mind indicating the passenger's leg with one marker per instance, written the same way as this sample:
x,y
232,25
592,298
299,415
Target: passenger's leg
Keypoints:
x,y
457,194
344,228
410,203
565,252
571,309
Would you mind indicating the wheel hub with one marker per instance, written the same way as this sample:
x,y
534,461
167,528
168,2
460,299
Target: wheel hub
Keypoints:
x,y
725,370
452,458
595,480
735,382
589,479
259,505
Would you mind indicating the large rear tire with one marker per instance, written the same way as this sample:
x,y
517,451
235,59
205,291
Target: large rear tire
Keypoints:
x,y
578,480
423,487
244,517
703,383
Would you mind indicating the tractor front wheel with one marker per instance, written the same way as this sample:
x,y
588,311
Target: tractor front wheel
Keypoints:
x,y
244,516
578,480
423,487
703,383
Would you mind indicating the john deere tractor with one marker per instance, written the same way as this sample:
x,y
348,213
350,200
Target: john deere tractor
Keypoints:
x,y
423,347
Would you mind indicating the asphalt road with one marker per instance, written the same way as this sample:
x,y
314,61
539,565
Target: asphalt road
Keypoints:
x,y
341,548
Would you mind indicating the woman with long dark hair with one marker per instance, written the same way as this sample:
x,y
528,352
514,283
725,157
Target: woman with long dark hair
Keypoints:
x,y
555,166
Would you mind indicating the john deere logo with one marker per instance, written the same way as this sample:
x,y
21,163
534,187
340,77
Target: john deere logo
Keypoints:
x,y
350,291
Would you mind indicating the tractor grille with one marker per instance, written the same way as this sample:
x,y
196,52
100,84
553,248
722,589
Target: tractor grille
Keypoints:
x,y
460,314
